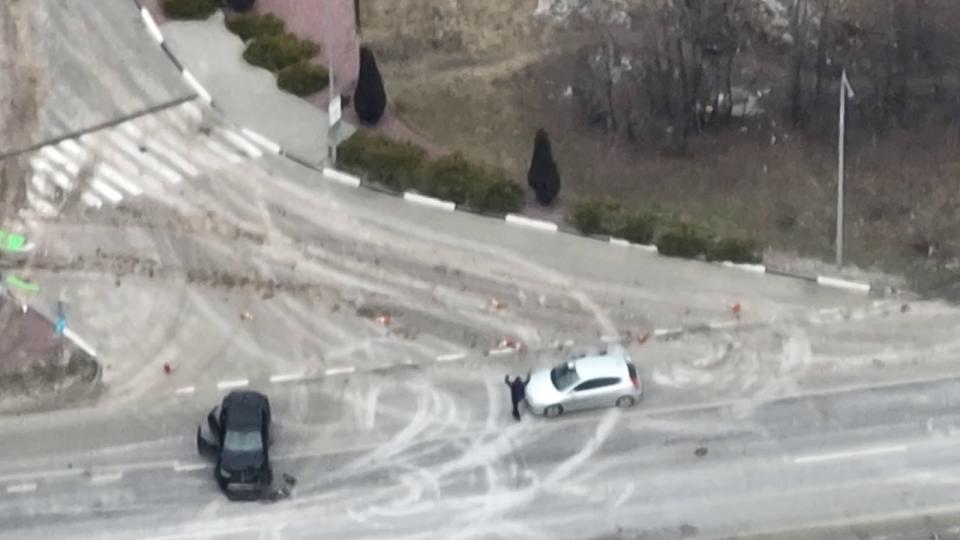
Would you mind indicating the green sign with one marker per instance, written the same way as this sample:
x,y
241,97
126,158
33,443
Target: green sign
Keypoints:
x,y
10,241
22,283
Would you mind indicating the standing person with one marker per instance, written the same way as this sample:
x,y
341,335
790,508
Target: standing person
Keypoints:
x,y
518,392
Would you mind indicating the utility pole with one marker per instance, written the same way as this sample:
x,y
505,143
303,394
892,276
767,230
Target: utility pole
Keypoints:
x,y
334,109
846,92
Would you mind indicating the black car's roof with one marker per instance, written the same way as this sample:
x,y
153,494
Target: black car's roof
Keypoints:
x,y
244,409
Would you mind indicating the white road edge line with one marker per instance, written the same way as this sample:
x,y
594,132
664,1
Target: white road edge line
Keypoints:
x,y
416,198
187,467
239,383
186,390
197,87
287,377
106,477
851,454
667,331
151,25
451,357
22,488
340,370
501,351
757,268
514,219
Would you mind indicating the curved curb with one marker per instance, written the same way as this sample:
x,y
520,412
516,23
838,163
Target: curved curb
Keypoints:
x,y
354,181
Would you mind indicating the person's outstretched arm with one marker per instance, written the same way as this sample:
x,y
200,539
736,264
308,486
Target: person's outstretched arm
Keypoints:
x,y
506,380
527,381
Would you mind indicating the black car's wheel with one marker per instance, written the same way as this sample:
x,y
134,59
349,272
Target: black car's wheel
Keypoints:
x,y
553,411
625,401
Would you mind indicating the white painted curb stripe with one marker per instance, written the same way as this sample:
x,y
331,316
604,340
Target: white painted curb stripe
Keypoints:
x,y
850,454
239,383
342,177
185,467
106,477
416,198
501,351
22,488
72,336
287,377
197,87
758,268
531,223
451,357
186,390
266,143
843,284
151,25
619,242
651,248
339,370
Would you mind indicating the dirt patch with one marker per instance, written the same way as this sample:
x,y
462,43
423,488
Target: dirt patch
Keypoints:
x,y
486,99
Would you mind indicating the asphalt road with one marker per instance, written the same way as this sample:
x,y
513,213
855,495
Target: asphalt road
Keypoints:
x,y
176,239
434,453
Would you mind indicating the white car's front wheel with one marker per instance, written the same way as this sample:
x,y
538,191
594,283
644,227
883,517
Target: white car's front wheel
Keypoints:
x,y
553,411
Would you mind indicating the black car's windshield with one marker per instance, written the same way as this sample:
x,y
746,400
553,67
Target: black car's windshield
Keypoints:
x,y
563,376
243,441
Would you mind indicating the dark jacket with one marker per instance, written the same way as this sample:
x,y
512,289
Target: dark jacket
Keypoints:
x,y
518,387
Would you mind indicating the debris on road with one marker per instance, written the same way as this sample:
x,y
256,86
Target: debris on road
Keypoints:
x,y
246,316
497,304
383,320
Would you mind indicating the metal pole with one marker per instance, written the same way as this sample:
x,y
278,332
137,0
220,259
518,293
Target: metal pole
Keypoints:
x,y
840,149
331,140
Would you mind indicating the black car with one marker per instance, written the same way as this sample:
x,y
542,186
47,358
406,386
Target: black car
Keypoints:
x,y
240,445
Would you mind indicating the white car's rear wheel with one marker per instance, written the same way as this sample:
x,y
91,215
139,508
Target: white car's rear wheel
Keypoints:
x,y
553,411
625,401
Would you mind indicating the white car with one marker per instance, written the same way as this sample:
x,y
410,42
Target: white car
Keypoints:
x,y
607,379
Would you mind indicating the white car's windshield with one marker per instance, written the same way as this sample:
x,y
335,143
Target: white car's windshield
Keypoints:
x,y
243,441
564,376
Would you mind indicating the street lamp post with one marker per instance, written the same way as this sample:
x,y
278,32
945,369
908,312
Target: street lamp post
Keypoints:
x,y
846,92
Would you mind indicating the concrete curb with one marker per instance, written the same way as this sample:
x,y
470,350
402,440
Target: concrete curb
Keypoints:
x,y
415,198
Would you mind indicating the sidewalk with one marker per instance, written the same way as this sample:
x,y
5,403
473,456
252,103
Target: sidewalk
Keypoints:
x,y
248,95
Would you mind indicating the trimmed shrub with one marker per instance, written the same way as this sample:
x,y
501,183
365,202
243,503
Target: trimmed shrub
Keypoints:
x,y
240,5
275,52
599,216
251,26
683,240
737,250
501,196
370,97
394,164
639,228
452,178
190,9
303,79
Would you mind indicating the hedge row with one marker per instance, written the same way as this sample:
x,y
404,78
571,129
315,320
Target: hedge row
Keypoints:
x,y
251,25
403,166
190,9
303,79
277,51
599,216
